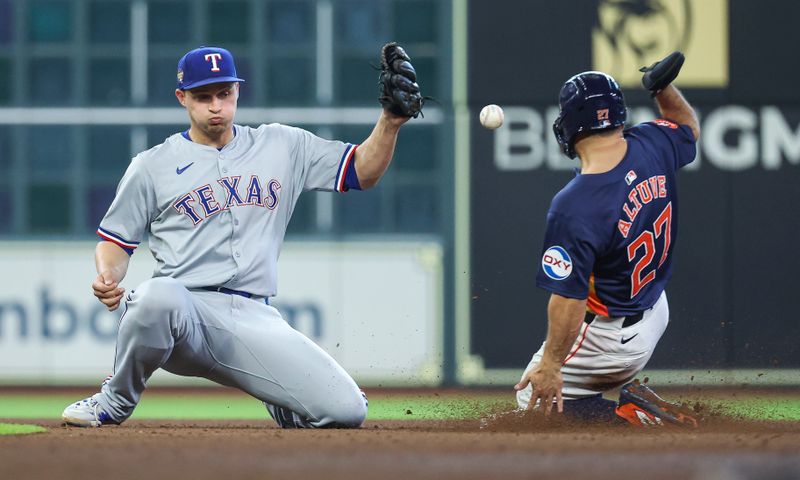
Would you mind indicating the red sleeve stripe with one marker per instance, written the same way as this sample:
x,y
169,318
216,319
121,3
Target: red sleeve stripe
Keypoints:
x,y
115,239
347,159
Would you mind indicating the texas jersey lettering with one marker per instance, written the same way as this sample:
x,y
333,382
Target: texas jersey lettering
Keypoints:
x,y
201,202
218,217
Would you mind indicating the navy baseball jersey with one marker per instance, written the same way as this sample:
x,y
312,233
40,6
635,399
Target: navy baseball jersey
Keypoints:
x,y
610,236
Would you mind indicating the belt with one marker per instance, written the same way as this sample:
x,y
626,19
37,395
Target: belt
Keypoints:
x,y
630,320
231,291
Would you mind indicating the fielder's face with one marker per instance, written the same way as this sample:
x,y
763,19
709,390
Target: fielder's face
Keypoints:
x,y
211,107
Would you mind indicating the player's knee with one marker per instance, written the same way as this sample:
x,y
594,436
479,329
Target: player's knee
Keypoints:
x,y
350,414
352,418
156,297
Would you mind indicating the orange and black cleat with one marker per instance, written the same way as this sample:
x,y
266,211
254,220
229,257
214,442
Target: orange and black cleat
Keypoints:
x,y
641,406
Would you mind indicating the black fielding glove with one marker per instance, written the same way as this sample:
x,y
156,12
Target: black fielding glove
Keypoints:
x,y
660,74
399,92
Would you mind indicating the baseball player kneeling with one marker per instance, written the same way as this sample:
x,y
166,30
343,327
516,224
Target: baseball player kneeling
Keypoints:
x,y
607,255
215,201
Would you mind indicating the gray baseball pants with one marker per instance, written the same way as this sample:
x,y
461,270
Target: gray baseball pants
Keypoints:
x,y
233,341
599,361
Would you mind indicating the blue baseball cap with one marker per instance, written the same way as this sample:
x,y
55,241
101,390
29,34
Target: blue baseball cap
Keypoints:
x,y
204,66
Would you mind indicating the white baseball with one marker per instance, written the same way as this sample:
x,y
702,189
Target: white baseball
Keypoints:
x,y
491,116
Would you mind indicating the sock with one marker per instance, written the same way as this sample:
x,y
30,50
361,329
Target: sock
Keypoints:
x,y
591,409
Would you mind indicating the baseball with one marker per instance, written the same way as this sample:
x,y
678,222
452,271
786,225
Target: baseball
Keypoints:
x,y
491,116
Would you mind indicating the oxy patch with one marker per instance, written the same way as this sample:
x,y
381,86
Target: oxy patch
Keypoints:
x,y
557,263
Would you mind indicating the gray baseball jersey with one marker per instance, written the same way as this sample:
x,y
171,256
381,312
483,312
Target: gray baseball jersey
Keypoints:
x,y
218,217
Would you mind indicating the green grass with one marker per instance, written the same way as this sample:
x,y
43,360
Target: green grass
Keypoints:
x,y
776,408
382,406
232,407
432,407
152,407
19,429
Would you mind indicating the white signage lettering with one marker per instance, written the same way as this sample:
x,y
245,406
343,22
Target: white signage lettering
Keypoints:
x,y
778,138
518,145
733,138
735,121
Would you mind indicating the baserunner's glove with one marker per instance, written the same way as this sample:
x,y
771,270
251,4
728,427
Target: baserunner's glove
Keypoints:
x,y
399,92
660,74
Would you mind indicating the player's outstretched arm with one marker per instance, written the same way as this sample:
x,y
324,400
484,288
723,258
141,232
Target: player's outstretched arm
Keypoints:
x,y
565,317
374,154
401,100
111,262
674,107
658,78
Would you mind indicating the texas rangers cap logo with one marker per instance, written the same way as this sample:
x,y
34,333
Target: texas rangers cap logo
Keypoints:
x,y
556,263
204,66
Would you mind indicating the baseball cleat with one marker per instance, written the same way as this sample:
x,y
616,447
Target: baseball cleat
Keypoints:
x,y
87,413
637,416
286,418
641,406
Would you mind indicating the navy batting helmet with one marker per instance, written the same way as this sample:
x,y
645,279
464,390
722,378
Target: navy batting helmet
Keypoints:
x,y
590,102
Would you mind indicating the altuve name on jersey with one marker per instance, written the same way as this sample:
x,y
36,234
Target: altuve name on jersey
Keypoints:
x,y
200,203
641,194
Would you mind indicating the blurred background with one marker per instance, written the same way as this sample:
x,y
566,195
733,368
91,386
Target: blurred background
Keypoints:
x,y
429,278
112,64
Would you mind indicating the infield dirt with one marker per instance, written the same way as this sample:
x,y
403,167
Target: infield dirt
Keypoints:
x,y
723,448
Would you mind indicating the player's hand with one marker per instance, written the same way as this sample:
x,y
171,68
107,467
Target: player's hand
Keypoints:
x,y
547,384
107,291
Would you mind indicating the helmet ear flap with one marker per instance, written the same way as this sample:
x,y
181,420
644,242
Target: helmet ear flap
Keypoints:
x,y
562,137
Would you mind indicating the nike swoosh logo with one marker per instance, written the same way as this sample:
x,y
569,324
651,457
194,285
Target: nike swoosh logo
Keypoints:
x,y
180,170
626,340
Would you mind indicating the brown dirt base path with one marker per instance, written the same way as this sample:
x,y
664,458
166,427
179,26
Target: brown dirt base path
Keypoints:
x,y
722,449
